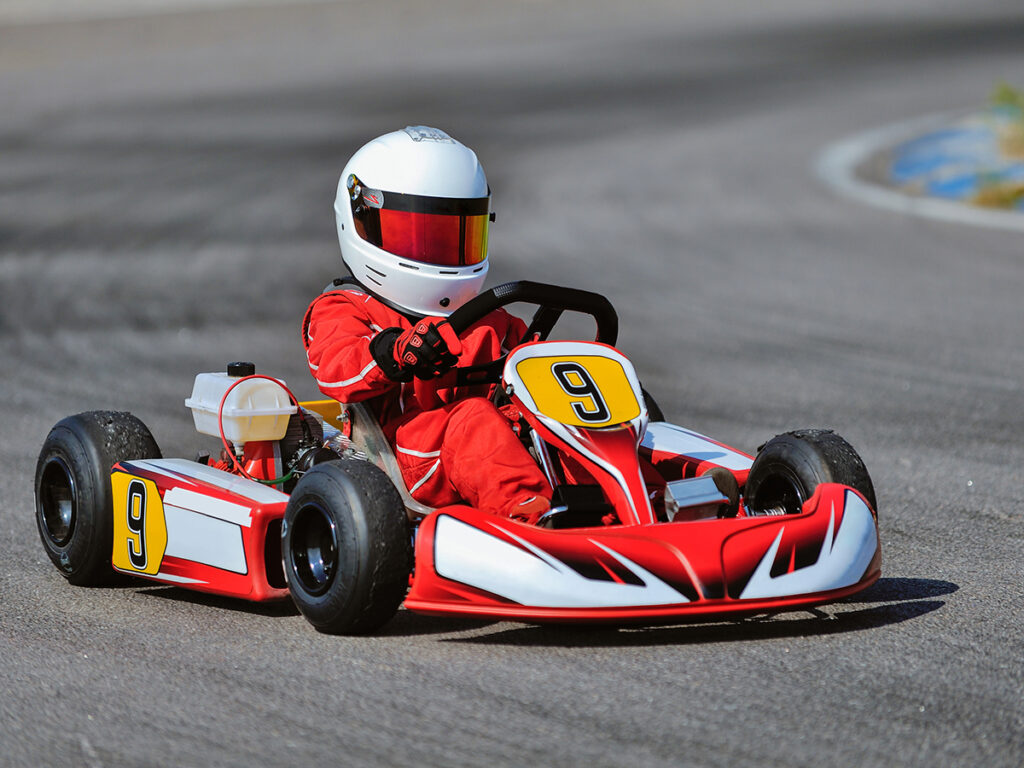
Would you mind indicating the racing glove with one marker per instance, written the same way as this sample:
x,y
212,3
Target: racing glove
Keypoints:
x,y
426,350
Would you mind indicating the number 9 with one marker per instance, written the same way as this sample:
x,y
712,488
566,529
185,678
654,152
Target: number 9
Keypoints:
x,y
576,382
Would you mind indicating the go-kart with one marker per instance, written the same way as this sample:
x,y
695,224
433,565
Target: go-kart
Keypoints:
x,y
650,522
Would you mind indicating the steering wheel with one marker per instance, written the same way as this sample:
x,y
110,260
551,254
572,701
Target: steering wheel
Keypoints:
x,y
551,301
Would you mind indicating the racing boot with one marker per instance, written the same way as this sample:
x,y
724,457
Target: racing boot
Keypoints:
x,y
531,510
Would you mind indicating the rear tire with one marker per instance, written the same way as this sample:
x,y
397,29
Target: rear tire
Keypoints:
x,y
789,468
74,508
346,547
654,412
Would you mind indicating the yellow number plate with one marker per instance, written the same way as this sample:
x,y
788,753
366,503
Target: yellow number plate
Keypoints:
x,y
583,391
140,531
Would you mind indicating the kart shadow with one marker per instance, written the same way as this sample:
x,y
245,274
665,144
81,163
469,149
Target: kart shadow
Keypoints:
x,y
408,624
276,608
891,590
904,599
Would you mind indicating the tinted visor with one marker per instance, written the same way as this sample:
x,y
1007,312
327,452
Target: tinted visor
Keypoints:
x,y
443,231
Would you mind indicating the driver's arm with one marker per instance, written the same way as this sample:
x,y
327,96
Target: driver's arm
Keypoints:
x,y
337,332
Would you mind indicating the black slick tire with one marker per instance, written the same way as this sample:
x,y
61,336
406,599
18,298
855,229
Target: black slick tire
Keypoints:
x,y
74,509
789,467
654,412
346,547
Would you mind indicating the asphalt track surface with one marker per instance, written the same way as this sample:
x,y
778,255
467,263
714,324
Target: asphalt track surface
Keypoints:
x,y
165,206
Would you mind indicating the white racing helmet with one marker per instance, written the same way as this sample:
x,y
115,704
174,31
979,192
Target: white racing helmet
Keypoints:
x,y
413,210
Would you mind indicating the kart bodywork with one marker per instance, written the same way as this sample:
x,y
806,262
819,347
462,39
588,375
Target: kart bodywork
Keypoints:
x,y
472,564
648,522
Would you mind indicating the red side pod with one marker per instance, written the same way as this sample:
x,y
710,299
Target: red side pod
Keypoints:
x,y
263,579
202,528
469,563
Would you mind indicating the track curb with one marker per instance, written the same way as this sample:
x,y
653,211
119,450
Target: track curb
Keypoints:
x,y
837,166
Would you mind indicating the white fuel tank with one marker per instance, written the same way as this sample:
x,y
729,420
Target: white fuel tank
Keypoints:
x,y
255,409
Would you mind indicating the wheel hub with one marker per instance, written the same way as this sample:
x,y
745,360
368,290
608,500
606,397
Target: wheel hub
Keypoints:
x,y
314,549
58,501
780,494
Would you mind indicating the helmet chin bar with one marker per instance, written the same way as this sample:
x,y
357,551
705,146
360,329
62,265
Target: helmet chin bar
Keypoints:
x,y
386,283
352,279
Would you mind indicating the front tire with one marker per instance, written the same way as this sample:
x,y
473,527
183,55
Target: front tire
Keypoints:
x,y
789,468
74,507
346,547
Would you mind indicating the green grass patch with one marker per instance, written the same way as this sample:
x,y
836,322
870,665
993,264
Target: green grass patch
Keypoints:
x,y
1006,97
1006,106
1008,103
999,194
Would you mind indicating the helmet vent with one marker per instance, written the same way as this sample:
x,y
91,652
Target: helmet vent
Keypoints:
x,y
478,269
426,133
409,266
447,272
382,274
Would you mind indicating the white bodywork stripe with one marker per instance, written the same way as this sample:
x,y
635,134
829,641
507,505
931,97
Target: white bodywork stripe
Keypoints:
x,y
202,539
470,556
842,561
209,506
661,436
172,577
163,577
175,468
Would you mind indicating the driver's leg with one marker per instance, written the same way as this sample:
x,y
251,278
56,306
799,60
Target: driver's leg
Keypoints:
x,y
467,451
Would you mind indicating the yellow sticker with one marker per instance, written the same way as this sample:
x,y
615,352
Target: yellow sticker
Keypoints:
x,y
330,410
583,391
140,531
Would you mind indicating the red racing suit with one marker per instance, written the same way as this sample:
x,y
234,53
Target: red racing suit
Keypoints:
x,y
451,443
